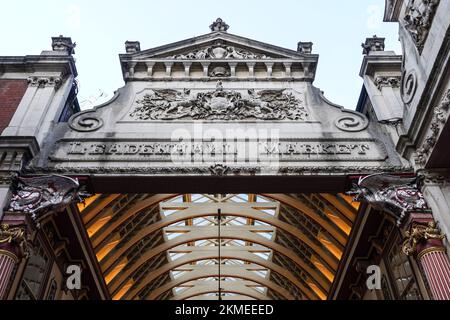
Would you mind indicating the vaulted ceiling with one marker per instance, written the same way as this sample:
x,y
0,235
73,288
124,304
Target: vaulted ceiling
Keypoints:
x,y
200,246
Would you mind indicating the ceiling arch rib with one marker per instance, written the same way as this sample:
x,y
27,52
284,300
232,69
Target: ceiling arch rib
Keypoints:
x,y
234,288
226,272
227,253
308,236
108,229
334,231
197,235
186,211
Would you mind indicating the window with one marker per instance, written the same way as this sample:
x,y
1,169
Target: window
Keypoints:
x,y
33,275
402,274
52,291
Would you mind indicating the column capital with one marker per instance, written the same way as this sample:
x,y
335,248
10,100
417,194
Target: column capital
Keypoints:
x,y
12,241
422,237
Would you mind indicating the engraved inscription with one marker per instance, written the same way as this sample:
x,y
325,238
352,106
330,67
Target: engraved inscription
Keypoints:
x,y
164,151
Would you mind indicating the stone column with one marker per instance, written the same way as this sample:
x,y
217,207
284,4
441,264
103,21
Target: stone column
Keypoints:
x,y
424,240
12,241
435,187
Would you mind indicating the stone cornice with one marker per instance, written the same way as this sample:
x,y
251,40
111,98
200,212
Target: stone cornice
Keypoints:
x,y
380,62
38,63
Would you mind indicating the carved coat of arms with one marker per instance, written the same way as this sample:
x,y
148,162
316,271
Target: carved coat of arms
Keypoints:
x,y
220,104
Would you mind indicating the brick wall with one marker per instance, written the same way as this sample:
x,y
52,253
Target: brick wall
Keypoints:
x,y
11,93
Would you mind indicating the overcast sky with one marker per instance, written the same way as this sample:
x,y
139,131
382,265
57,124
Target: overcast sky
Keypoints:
x,y
100,29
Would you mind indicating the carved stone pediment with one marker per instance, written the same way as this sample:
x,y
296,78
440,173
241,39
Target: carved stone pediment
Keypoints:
x,y
219,50
220,104
217,45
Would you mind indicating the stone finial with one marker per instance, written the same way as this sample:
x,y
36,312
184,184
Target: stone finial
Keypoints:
x,y
132,46
63,44
304,47
219,25
373,44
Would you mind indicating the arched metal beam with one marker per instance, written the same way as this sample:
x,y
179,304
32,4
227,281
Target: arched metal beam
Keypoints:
x,y
226,253
318,278
225,272
91,211
108,229
236,288
331,228
227,210
239,296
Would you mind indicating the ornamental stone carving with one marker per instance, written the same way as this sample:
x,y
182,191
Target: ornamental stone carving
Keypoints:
x,y
43,82
42,194
219,25
418,19
85,121
387,81
391,194
438,121
352,122
219,170
220,104
408,86
63,44
219,72
219,51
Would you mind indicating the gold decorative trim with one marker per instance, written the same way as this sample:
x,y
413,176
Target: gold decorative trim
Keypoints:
x,y
8,234
419,233
9,254
430,250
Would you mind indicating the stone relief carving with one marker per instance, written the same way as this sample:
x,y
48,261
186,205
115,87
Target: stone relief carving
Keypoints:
x,y
220,104
219,72
46,193
219,51
438,121
418,19
392,194
387,81
219,170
